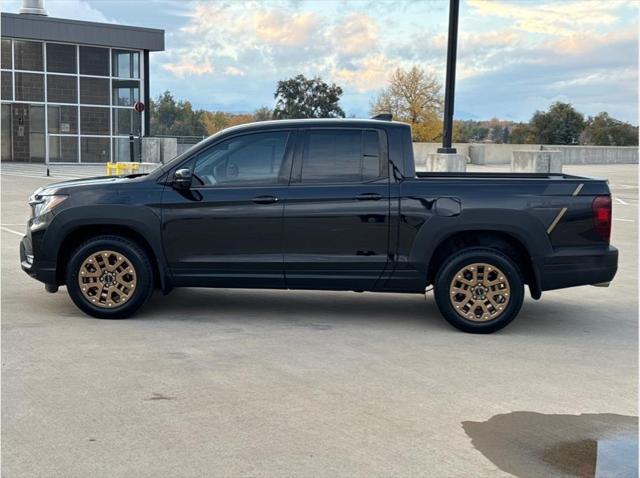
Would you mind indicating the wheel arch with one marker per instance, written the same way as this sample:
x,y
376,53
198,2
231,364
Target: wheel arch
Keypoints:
x,y
82,233
506,242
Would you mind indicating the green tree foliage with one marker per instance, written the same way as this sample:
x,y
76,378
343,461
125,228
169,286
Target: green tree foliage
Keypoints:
x,y
522,133
300,97
178,118
607,131
413,96
562,124
263,113
175,118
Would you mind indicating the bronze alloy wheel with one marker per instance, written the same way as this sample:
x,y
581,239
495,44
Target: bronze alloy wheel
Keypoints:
x,y
479,292
107,279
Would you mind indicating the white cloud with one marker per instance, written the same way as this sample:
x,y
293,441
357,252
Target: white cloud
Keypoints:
x,y
233,71
551,17
369,74
355,36
513,55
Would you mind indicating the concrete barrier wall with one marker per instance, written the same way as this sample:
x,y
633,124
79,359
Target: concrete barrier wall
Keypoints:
x,y
597,154
501,154
159,150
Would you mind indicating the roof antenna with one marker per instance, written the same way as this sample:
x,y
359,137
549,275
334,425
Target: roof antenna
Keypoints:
x,y
383,117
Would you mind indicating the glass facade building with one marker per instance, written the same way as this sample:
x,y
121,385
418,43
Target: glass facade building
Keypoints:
x,y
71,102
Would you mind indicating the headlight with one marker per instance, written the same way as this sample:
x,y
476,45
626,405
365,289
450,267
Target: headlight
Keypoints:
x,y
41,204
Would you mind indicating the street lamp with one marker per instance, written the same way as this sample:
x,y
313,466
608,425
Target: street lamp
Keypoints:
x,y
450,83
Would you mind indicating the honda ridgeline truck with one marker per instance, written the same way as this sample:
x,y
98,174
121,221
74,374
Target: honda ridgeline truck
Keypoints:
x,y
329,204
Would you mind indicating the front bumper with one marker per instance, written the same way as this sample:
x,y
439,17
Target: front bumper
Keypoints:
x,y
42,271
575,266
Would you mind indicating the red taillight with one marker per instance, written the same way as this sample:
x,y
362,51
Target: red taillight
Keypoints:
x,y
602,216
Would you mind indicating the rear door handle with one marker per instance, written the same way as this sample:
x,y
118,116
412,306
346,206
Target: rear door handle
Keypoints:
x,y
369,197
265,199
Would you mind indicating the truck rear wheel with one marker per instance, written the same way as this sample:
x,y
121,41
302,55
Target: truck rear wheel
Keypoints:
x,y
109,277
479,290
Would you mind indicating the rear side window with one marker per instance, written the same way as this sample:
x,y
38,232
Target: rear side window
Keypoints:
x,y
332,156
249,159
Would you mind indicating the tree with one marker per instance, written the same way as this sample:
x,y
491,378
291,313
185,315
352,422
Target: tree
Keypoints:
x,y
263,113
414,97
175,118
300,97
469,131
603,130
522,133
562,124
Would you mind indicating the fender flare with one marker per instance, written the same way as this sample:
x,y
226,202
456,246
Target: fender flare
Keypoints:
x,y
524,228
142,221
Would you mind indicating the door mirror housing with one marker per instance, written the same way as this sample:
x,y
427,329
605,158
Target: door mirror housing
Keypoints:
x,y
182,178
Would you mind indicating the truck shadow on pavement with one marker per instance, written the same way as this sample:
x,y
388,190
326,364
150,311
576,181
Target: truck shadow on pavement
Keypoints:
x,y
291,306
211,305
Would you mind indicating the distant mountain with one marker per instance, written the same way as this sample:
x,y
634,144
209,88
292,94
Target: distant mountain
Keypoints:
x,y
465,115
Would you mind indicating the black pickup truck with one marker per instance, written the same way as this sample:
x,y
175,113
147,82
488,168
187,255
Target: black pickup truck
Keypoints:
x,y
320,204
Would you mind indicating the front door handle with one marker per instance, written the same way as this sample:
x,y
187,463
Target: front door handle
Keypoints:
x,y
369,197
265,199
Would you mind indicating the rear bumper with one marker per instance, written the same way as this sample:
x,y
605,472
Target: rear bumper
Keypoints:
x,y
574,266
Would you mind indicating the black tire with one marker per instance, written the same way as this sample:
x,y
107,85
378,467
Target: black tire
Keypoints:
x,y
475,255
140,261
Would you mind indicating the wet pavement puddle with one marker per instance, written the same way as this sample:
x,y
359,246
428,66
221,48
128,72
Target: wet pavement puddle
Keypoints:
x,y
530,444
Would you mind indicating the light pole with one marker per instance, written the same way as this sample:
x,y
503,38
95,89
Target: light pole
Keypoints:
x,y
450,82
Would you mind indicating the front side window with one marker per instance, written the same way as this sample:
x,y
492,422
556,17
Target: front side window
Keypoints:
x,y
332,156
249,159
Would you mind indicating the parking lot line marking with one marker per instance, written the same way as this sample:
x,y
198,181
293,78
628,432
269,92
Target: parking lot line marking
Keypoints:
x,y
621,201
623,220
12,231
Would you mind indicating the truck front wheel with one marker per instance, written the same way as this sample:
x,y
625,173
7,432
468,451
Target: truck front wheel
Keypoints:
x,y
479,290
109,277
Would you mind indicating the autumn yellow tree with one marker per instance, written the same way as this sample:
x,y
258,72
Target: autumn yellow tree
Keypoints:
x,y
413,96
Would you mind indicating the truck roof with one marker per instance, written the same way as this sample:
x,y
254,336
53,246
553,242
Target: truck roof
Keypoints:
x,y
311,122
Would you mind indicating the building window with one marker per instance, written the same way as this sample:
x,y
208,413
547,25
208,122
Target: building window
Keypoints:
x,y
94,61
95,150
5,140
85,93
63,149
125,121
28,55
7,85
62,119
94,91
62,89
126,64
125,92
5,54
23,132
61,58
94,120
29,87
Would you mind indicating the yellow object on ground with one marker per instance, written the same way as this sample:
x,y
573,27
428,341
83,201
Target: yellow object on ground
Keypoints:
x,y
117,169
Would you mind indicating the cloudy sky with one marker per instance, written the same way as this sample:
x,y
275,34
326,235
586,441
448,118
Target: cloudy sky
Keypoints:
x,y
514,56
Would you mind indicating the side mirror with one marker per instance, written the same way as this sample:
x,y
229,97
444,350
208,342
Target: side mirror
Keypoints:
x,y
182,179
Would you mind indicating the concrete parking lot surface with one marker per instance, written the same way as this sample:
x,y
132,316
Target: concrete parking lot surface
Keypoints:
x,y
289,383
